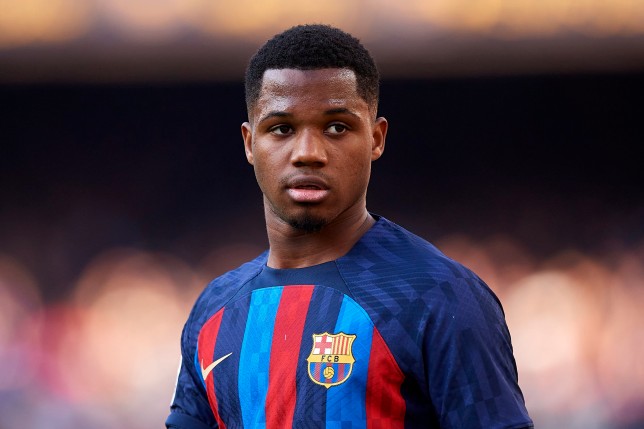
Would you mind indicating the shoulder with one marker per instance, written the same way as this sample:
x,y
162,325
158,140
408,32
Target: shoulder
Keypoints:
x,y
417,297
218,292
391,252
396,272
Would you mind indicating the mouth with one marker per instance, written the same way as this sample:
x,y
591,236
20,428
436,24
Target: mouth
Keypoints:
x,y
307,189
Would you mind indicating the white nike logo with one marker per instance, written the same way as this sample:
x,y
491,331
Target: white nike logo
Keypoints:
x,y
206,371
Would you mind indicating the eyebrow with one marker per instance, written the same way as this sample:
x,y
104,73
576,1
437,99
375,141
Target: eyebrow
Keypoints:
x,y
282,114
340,110
274,114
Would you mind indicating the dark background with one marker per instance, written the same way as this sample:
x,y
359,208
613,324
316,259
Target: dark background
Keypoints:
x,y
550,160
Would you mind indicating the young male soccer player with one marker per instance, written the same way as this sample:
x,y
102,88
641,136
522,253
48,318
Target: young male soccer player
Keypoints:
x,y
348,320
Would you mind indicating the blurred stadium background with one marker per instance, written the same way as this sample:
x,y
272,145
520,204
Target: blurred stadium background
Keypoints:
x,y
124,189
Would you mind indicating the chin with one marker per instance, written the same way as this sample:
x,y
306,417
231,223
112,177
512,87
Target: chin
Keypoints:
x,y
307,223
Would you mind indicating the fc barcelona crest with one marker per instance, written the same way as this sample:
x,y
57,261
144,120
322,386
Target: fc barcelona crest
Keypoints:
x,y
331,359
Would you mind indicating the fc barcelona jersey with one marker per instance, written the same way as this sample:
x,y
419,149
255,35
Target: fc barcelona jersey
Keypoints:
x,y
392,335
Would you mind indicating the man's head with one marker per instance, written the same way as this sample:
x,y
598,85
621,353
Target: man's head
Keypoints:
x,y
312,134
310,47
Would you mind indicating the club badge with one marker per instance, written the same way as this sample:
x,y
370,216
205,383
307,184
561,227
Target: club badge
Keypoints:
x,y
331,359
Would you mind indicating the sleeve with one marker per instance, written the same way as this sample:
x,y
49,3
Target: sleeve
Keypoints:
x,y
190,408
472,375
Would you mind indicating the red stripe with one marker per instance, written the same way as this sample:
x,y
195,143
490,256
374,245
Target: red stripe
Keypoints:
x,y
385,404
206,346
285,351
340,374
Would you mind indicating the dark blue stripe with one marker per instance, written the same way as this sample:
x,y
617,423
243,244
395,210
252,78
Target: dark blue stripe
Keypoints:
x,y
310,407
231,332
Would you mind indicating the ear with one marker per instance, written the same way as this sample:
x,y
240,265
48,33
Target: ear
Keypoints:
x,y
247,135
378,138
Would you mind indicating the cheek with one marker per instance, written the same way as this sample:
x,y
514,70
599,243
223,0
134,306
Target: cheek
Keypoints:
x,y
265,170
356,175
359,163
260,173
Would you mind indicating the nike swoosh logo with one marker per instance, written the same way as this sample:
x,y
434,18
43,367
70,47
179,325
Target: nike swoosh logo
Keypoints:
x,y
206,371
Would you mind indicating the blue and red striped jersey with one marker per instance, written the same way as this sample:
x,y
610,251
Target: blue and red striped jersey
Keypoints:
x,y
392,335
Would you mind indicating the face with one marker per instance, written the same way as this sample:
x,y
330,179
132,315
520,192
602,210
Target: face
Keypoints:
x,y
311,140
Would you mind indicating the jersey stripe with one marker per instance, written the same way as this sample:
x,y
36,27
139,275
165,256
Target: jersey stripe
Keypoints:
x,y
229,340
287,339
346,401
385,403
310,408
255,356
205,353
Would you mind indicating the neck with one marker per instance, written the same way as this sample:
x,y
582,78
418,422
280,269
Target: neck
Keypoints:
x,y
292,248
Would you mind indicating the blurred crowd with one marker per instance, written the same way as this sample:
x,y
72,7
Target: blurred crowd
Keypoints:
x,y
106,355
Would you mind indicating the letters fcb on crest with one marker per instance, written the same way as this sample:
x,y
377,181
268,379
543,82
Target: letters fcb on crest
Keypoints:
x,y
331,359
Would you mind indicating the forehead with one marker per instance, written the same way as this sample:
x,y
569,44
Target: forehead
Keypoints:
x,y
288,88
291,79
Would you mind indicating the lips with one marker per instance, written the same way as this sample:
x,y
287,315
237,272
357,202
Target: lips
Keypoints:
x,y
307,189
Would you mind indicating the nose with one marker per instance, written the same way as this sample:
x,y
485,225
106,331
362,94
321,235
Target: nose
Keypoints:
x,y
309,149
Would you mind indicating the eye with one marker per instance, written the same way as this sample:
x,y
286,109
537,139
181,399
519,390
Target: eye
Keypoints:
x,y
281,130
337,129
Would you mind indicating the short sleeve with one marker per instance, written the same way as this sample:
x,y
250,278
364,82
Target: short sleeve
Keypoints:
x,y
469,363
190,408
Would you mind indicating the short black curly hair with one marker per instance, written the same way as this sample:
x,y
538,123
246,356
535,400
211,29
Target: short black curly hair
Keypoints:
x,y
310,47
